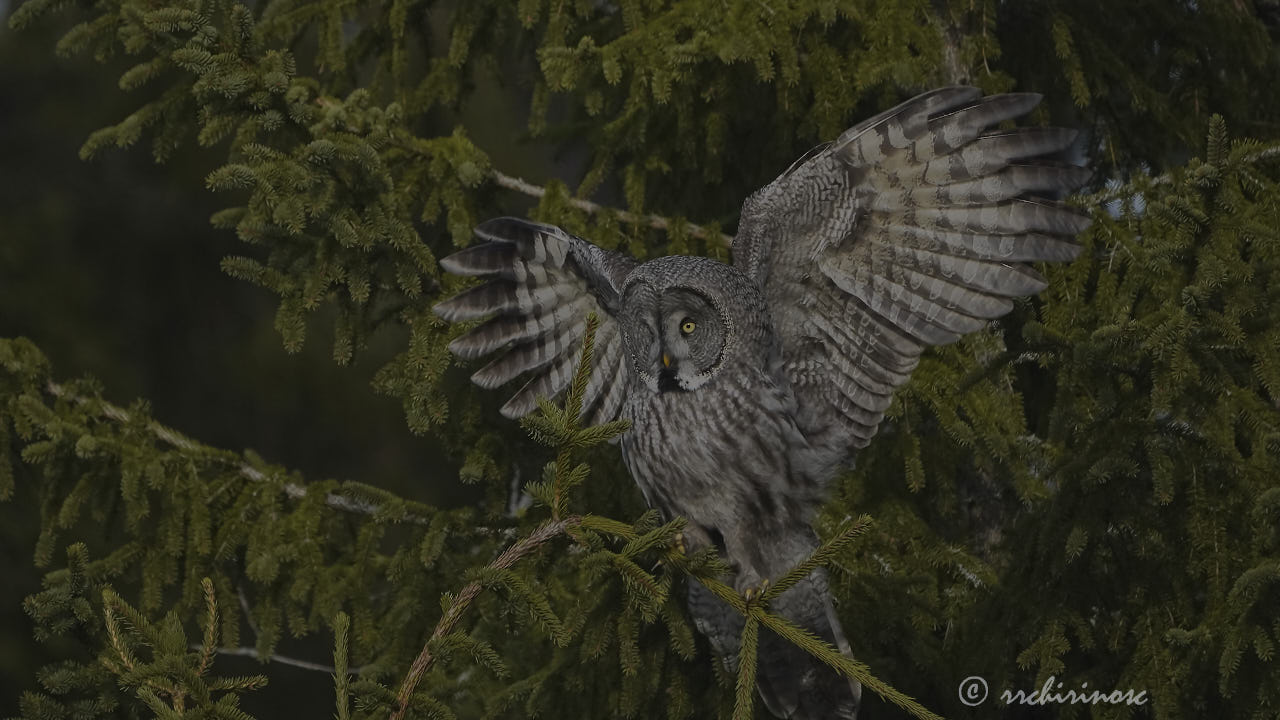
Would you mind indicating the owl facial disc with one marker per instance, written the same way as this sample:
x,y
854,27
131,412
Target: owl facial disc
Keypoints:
x,y
674,325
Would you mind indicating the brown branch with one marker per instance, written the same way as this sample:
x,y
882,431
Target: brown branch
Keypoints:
x,y
523,547
654,221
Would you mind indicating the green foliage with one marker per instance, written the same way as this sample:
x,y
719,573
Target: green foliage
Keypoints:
x,y
646,596
173,683
173,511
744,696
1116,442
1170,350
1087,491
352,184
257,554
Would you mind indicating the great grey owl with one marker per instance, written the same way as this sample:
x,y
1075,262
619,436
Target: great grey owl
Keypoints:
x,y
750,386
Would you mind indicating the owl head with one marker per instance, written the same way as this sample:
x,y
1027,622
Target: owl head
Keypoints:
x,y
678,321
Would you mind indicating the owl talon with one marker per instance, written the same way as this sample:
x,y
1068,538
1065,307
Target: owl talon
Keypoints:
x,y
677,544
758,591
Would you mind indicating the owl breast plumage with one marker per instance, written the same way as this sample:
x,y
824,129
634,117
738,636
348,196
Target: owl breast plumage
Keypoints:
x,y
726,471
749,386
724,452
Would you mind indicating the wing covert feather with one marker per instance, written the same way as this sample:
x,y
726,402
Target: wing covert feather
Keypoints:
x,y
911,229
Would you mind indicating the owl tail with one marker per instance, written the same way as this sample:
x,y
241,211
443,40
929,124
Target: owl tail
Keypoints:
x,y
792,683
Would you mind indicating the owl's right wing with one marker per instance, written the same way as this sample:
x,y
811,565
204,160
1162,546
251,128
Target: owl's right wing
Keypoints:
x,y
541,284
909,230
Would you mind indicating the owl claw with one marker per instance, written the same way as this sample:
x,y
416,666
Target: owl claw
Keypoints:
x,y
752,593
677,544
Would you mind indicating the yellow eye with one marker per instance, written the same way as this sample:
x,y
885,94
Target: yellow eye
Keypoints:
x,y
688,326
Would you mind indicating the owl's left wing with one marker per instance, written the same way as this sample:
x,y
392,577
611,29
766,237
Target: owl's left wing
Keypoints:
x,y
909,230
541,284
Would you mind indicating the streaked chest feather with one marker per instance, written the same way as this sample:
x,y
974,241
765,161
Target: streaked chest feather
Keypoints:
x,y
717,455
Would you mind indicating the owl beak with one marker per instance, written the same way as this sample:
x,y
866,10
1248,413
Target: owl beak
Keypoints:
x,y
666,360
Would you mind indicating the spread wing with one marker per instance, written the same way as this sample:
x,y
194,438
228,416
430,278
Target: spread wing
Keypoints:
x,y
909,230
542,283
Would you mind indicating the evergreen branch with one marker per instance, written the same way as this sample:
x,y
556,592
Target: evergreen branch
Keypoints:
x,y
341,624
1102,197
824,651
572,416
210,644
158,706
115,609
744,698
660,537
582,374
462,602
820,556
116,636
492,578
295,491
646,592
609,526
649,219
730,597
481,651
811,643
134,671
679,633
628,637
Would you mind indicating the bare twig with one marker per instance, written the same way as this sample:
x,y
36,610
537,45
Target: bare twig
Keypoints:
x,y
654,221
248,614
243,651
526,545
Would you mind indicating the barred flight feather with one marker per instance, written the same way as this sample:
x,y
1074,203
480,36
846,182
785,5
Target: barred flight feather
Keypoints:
x,y
542,283
911,229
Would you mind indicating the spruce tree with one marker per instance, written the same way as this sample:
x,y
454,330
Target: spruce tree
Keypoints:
x,y
1087,491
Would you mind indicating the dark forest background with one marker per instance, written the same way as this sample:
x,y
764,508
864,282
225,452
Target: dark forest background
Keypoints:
x,y
112,268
